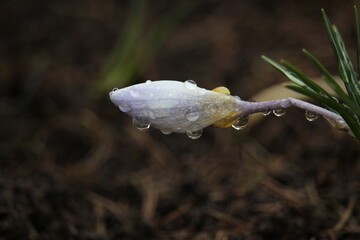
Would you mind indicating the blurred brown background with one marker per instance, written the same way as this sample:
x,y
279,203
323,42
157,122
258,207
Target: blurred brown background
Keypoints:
x,y
72,166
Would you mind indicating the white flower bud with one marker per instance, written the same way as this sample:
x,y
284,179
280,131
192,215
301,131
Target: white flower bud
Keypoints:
x,y
174,106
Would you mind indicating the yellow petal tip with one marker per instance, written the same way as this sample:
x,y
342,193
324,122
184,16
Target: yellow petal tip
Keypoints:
x,y
222,90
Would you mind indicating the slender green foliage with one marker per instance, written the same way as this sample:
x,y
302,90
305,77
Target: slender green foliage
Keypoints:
x,y
136,45
347,103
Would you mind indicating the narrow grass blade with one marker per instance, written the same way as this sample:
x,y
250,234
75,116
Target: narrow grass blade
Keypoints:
x,y
333,84
136,46
284,71
327,76
166,24
305,79
345,67
117,70
357,37
332,40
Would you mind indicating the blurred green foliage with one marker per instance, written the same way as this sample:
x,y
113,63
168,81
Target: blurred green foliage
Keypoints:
x,y
347,102
137,44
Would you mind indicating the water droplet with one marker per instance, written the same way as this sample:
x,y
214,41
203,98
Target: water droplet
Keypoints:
x,y
194,134
112,91
148,82
241,123
190,84
311,116
125,106
192,114
341,124
166,132
279,112
266,113
141,124
336,100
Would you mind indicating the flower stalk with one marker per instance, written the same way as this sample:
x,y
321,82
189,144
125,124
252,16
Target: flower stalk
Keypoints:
x,y
183,107
255,107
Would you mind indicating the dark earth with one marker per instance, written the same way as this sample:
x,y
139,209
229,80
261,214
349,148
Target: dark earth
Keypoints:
x,y
72,166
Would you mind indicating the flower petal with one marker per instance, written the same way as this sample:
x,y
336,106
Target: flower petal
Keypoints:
x,y
174,106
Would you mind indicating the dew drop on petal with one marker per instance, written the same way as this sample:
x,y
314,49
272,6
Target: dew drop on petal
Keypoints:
x,y
125,106
166,132
148,82
192,114
190,84
141,124
241,123
311,116
279,112
266,113
237,98
112,91
194,134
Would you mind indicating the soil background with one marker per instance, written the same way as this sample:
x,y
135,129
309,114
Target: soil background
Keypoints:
x,y
72,166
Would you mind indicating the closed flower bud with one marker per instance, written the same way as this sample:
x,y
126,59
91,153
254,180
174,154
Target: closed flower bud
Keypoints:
x,y
173,106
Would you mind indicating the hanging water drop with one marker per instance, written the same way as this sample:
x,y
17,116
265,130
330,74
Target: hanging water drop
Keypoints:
x,y
311,116
141,124
279,112
266,113
241,123
190,84
194,134
148,82
166,132
192,114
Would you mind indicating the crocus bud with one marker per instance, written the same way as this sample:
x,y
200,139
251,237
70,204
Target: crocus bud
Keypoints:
x,y
174,106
